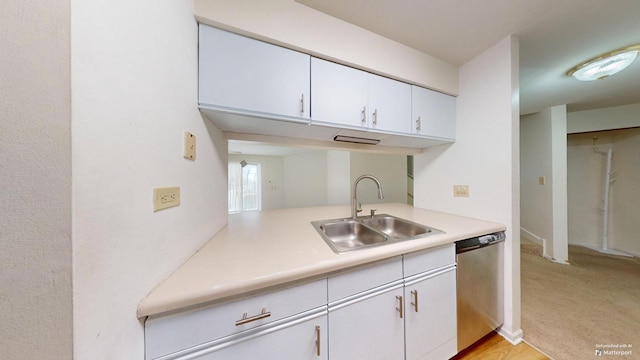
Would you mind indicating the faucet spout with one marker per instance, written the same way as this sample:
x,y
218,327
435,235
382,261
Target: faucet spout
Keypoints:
x,y
354,191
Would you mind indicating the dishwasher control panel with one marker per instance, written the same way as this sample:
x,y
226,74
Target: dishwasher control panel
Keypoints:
x,y
480,241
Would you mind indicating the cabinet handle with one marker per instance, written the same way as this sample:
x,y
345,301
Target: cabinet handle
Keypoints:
x,y
418,124
375,117
318,340
400,309
302,104
415,296
245,319
363,118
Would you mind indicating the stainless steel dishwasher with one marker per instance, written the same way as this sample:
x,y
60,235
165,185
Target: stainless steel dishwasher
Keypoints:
x,y
480,272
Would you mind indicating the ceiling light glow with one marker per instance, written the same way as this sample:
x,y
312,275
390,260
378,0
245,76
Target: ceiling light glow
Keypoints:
x,y
605,65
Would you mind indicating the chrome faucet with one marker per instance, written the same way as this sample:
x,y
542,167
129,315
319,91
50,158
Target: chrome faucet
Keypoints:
x,y
354,197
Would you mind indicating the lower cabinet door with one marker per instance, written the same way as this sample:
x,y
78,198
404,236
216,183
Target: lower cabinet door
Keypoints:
x,y
304,341
368,329
431,325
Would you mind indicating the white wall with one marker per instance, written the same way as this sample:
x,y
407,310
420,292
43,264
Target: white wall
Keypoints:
x,y
305,179
626,197
486,157
35,176
617,117
299,27
586,170
271,178
134,83
391,170
318,178
543,153
535,161
338,165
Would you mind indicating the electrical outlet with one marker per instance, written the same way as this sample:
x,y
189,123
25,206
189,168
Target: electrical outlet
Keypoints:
x,y
166,197
541,180
189,146
461,190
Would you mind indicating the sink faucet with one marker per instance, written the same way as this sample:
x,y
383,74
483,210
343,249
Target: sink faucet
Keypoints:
x,y
354,196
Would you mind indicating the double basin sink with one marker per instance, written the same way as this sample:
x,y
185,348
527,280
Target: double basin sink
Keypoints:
x,y
348,234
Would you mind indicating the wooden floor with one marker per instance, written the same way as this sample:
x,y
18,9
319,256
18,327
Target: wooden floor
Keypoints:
x,y
495,347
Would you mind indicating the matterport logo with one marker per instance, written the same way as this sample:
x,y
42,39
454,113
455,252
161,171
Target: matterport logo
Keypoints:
x,y
614,349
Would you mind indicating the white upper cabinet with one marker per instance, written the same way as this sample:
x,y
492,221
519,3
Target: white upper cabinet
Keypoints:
x,y
339,94
250,86
433,113
244,75
354,98
389,105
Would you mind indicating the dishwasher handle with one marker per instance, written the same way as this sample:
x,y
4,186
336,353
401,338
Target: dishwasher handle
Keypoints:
x,y
479,242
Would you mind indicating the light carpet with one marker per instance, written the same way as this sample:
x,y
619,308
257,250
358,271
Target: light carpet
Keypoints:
x,y
570,311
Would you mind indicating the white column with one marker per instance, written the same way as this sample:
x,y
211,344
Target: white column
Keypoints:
x,y
560,248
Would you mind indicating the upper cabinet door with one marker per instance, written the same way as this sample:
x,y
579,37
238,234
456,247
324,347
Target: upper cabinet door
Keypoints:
x,y
239,73
389,104
433,113
339,94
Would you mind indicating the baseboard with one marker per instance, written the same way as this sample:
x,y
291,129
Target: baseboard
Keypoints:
x,y
514,337
562,262
607,252
542,241
531,236
633,253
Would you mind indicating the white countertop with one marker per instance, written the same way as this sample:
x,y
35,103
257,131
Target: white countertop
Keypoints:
x,y
258,250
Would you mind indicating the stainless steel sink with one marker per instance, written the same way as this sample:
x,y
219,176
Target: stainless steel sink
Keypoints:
x,y
348,234
351,234
395,227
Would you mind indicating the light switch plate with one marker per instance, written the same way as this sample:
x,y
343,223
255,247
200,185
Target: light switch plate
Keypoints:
x,y
461,190
189,146
166,197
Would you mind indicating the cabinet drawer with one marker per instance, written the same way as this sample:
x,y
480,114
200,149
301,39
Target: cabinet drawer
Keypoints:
x,y
429,259
170,333
364,278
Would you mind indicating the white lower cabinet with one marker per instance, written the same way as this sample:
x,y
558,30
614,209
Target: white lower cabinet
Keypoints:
x,y
430,320
305,341
399,308
368,326
407,313
231,327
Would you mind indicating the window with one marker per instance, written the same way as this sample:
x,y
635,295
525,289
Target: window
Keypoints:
x,y
244,187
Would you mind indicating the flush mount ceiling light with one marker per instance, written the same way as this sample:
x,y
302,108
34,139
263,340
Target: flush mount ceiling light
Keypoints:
x,y
605,65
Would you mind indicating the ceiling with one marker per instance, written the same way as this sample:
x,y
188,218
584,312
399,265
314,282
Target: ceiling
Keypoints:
x,y
555,35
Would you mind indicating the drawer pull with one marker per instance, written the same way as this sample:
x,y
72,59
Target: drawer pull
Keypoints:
x,y
400,309
415,295
245,319
318,340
